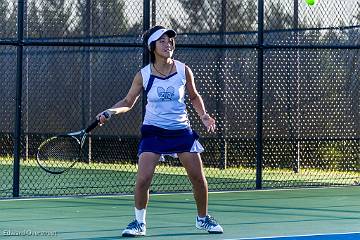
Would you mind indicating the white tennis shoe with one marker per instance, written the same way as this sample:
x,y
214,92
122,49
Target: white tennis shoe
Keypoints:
x,y
134,229
209,224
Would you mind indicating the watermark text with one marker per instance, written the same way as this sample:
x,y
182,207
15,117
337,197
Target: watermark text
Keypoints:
x,y
28,233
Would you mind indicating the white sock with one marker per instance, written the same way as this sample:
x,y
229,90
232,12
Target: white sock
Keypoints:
x,y
140,215
201,218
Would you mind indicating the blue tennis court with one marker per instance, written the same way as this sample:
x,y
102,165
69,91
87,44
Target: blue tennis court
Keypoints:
x,y
300,214
332,236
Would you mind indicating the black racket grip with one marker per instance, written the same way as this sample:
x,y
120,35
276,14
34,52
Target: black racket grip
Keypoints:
x,y
96,122
92,126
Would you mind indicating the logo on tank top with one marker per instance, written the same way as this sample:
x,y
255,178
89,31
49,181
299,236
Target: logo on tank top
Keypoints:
x,y
166,95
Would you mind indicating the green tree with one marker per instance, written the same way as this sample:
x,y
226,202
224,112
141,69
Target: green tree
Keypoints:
x,y
241,16
111,19
356,17
3,18
56,21
276,17
101,18
205,15
202,15
7,20
12,22
35,28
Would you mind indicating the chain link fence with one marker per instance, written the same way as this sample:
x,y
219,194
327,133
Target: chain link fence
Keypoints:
x,y
283,86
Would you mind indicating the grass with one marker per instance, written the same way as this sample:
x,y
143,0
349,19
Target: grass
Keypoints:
x,y
102,178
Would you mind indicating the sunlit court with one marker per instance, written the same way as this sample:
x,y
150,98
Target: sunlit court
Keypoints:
x,y
159,119
306,214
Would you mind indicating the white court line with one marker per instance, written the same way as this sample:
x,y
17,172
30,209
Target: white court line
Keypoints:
x,y
293,236
165,194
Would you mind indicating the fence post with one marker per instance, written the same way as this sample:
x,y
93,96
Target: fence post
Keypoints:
x,y
146,26
296,143
86,80
17,131
221,104
259,95
153,12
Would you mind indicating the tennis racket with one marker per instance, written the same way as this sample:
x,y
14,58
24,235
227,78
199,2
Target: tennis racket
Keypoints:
x,y
60,153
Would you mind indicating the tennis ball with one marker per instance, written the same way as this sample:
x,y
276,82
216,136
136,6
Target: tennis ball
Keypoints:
x,y
310,2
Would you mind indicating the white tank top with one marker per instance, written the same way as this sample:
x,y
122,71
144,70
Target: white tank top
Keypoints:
x,y
165,106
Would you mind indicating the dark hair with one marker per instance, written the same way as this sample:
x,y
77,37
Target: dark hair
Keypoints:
x,y
151,48
146,37
151,52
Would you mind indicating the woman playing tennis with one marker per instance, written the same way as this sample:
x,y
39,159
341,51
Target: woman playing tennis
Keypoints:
x,y
166,129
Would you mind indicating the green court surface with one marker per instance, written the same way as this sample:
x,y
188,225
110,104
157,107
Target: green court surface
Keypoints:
x,y
243,215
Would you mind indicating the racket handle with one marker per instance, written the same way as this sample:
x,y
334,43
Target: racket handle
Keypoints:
x,y
96,122
92,126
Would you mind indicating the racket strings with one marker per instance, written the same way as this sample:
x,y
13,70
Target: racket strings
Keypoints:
x,y
59,153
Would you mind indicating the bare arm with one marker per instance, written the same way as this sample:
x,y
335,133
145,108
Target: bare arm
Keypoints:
x,y
197,101
128,102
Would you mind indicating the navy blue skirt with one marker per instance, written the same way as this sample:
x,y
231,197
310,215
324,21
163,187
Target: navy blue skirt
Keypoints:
x,y
164,141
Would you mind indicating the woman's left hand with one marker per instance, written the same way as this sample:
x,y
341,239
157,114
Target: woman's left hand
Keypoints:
x,y
209,122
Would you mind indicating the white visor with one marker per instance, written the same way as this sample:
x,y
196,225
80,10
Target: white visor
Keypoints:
x,y
156,35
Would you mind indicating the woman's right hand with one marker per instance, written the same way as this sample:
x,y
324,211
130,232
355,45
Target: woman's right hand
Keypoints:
x,y
104,116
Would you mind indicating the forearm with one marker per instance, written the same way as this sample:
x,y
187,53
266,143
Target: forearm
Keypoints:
x,y
198,104
121,107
